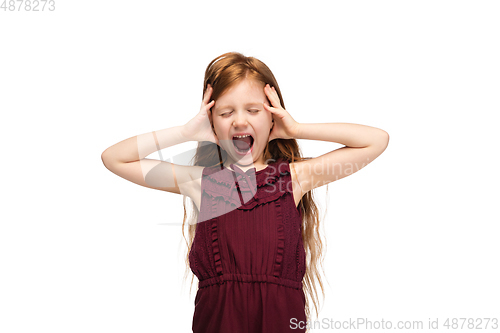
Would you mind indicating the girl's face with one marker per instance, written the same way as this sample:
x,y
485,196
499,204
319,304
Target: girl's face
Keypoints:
x,y
239,111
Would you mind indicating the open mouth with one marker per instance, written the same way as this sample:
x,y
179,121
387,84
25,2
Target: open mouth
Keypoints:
x,y
243,143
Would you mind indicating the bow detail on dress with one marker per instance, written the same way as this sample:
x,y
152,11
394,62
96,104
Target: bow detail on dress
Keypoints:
x,y
246,182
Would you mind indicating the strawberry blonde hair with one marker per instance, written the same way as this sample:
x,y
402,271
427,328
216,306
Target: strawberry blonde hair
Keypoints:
x,y
222,73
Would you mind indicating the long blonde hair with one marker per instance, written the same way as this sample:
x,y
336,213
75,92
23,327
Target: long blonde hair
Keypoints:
x,y
222,73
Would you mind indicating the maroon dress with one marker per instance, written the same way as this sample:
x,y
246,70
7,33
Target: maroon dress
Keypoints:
x,y
248,253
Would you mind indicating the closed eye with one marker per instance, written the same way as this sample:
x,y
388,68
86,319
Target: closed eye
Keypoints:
x,y
253,111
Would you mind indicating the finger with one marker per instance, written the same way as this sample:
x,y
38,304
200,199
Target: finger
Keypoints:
x,y
273,97
208,92
268,90
269,108
268,94
206,107
209,105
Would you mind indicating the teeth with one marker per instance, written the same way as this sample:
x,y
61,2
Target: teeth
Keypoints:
x,y
241,136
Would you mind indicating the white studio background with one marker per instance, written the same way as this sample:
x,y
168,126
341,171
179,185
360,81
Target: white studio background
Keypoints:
x,y
412,236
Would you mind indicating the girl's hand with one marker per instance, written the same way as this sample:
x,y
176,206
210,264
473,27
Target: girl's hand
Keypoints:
x,y
200,127
285,127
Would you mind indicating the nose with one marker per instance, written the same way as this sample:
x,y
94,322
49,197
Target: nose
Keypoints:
x,y
240,120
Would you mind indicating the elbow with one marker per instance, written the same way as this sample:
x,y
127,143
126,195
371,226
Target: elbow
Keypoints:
x,y
385,137
105,158
382,141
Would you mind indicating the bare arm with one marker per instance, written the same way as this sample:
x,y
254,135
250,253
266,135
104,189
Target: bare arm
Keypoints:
x,y
348,134
137,147
127,160
362,145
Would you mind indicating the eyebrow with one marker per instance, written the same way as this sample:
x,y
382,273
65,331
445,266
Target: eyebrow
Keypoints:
x,y
247,104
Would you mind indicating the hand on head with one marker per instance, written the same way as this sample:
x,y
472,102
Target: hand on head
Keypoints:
x,y
285,127
200,127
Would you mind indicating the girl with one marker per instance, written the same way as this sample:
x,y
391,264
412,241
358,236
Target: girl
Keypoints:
x,y
253,243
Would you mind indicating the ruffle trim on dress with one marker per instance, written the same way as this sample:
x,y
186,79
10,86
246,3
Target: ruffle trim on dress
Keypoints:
x,y
215,244
270,183
281,240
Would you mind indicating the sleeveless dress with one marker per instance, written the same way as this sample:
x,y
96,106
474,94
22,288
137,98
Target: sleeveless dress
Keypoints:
x,y
248,253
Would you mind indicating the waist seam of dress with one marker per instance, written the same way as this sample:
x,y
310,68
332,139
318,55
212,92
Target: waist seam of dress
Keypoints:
x,y
249,278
